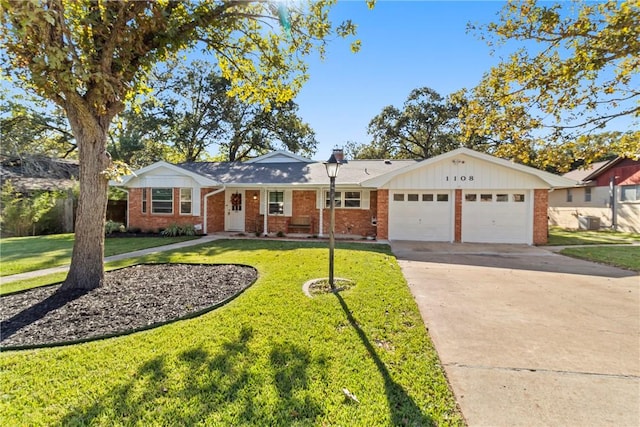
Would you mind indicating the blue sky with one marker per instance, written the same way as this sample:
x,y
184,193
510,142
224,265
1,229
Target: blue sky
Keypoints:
x,y
405,45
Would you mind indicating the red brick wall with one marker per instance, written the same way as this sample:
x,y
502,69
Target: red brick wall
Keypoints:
x,y
383,214
540,216
215,211
350,221
154,222
457,227
252,217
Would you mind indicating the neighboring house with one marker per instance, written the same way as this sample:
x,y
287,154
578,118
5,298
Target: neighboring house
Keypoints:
x,y
30,174
459,196
590,203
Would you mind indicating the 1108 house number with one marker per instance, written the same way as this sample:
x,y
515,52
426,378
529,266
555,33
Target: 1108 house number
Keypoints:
x,y
459,178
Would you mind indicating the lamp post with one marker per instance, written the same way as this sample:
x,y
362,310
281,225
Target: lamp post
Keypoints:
x,y
332,166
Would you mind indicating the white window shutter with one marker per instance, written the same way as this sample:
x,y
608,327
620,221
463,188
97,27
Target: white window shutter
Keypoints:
x,y
195,201
264,199
288,202
365,199
320,199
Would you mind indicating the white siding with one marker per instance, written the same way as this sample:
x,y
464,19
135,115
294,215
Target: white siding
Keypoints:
x,y
472,173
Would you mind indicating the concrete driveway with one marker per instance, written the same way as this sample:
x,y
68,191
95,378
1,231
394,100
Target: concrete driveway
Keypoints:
x,y
528,337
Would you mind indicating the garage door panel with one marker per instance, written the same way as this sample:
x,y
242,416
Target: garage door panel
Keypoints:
x,y
420,220
494,221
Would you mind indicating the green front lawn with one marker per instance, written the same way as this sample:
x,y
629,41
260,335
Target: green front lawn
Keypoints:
x,y
620,256
561,237
22,254
272,357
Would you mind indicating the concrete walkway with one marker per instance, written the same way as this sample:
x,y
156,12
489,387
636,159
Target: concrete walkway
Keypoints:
x,y
148,251
528,337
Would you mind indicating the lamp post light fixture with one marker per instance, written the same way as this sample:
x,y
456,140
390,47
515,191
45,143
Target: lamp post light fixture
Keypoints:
x,y
332,166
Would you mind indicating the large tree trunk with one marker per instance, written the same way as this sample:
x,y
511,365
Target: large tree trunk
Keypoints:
x,y
87,267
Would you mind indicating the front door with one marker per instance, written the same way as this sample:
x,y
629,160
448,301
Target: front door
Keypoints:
x,y
234,206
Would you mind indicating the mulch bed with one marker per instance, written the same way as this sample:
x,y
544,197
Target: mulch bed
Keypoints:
x,y
131,298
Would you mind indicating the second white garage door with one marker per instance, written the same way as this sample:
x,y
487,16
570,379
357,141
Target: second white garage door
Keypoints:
x,y
496,217
424,216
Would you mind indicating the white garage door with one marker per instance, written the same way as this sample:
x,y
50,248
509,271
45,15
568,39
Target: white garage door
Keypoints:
x,y
496,216
426,216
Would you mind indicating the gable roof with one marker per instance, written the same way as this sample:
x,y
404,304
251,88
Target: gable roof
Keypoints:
x,y
582,175
200,179
279,156
549,178
295,172
291,173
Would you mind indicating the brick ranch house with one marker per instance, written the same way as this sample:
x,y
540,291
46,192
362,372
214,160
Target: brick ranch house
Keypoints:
x,y
459,196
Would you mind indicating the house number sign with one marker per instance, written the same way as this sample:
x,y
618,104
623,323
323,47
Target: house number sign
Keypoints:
x,y
459,178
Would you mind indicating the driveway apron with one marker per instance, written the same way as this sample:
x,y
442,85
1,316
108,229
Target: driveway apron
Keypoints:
x,y
528,337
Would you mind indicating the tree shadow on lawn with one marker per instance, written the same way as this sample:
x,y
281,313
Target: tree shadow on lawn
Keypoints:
x,y
218,389
403,409
230,388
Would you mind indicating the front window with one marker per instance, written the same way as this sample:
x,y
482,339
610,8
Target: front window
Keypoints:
x,y
351,199
276,202
346,199
569,195
587,194
162,200
337,200
630,193
185,201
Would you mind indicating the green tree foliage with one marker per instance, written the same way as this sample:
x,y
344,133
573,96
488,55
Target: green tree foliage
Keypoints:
x,y
193,113
28,127
427,125
91,56
22,213
575,72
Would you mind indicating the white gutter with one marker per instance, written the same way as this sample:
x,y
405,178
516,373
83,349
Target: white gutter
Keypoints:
x,y
126,191
206,196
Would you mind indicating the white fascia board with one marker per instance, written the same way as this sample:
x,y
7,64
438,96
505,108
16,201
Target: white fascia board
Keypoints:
x,y
201,180
552,180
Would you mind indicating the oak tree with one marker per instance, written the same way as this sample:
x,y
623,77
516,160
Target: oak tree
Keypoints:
x,y
427,125
195,116
574,73
91,56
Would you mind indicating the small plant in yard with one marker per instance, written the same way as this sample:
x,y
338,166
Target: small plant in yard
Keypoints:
x,y
175,230
280,234
322,286
111,227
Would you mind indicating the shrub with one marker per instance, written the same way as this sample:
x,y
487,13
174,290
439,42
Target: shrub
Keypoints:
x,y
175,230
21,213
188,230
172,230
111,226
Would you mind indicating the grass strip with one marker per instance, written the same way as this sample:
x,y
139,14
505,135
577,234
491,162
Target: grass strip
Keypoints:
x,y
625,257
562,237
23,254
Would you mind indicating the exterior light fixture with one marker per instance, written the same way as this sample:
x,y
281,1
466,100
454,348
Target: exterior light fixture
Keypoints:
x,y
332,166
